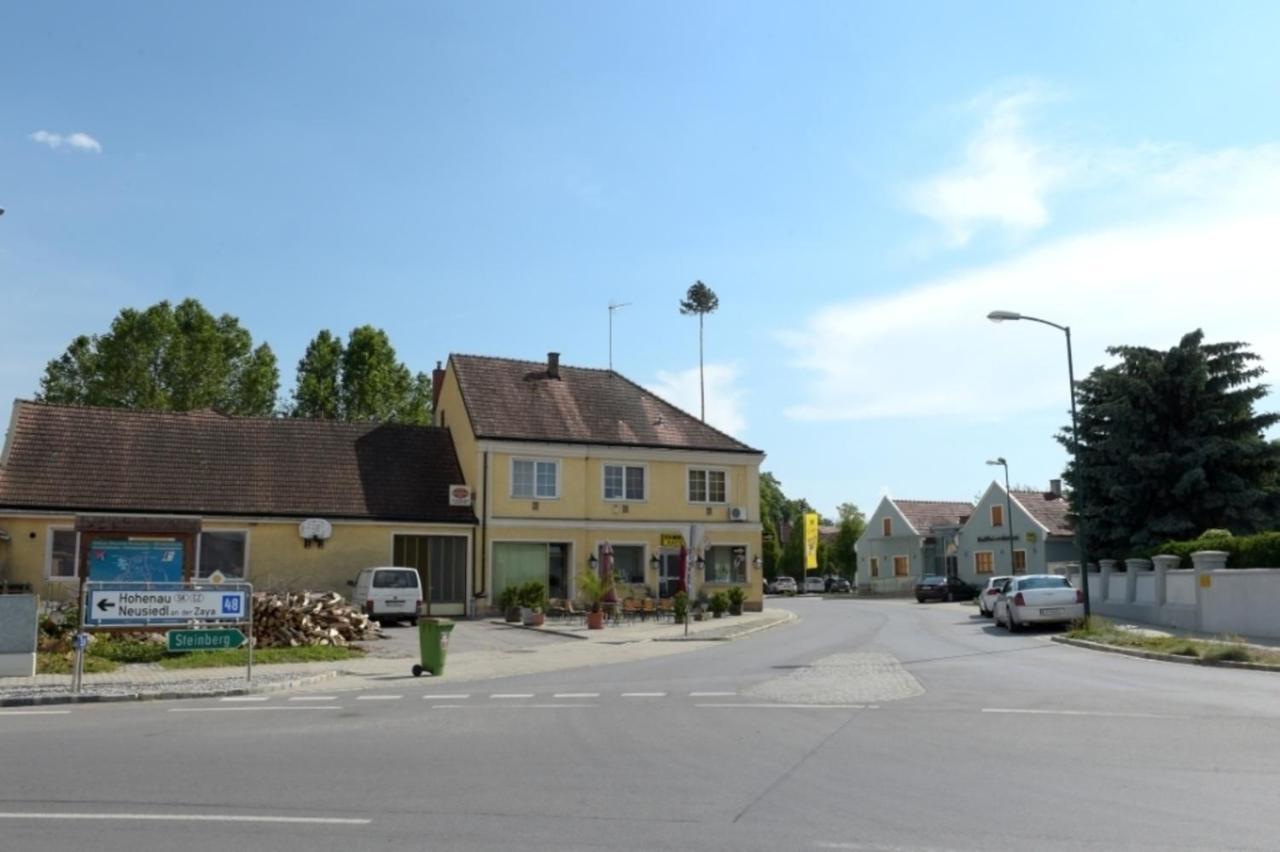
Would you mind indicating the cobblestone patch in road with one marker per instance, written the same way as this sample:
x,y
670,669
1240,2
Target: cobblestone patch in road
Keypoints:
x,y
862,678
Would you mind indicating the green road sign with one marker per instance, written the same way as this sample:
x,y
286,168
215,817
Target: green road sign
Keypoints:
x,y
205,640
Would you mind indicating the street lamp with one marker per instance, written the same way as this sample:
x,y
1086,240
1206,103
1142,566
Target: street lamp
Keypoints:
x,y
1002,316
1008,507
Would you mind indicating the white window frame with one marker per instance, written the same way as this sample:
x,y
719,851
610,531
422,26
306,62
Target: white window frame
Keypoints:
x,y
873,566
48,555
996,507
707,469
905,558
244,578
535,461
644,468
978,553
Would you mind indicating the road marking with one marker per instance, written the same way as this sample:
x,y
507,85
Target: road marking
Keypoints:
x,y
314,698
786,706
548,706
244,698
644,695
712,694
379,697
194,818
576,695
462,696
553,706
34,712
512,695
1033,712
251,709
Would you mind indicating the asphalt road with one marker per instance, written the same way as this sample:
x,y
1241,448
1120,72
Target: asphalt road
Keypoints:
x,y
877,725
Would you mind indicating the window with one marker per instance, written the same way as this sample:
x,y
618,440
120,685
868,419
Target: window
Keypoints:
x,y
63,553
875,566
901,566
706,486
623,482
886,526
628,562
725,564
997,516
535,480
223,551
1019,562
395,579
983,562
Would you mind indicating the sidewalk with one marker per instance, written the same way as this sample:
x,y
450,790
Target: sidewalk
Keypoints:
x,y
618,644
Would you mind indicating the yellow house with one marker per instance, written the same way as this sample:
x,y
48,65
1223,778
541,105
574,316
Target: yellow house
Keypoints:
x,y
563,461
282,503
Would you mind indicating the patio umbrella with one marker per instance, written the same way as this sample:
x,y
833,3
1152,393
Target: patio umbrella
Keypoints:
x,y
606,571
683,585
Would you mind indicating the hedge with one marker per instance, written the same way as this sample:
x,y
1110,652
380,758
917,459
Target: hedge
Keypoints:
x,y
1246,551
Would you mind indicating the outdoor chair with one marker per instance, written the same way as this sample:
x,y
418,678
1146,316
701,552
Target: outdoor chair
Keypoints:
x,y
647,609
630,609
667,608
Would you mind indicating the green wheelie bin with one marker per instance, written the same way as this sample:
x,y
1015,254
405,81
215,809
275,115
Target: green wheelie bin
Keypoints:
x,y
433,640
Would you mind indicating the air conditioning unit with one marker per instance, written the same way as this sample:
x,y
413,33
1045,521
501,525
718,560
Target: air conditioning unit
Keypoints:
x,y
737,513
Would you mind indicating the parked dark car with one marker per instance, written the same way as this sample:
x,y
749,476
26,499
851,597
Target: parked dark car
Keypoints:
x,y
838,584
944,589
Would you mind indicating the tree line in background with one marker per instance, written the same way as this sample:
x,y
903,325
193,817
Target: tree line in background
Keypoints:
x,y
182,358
783,537
1171,445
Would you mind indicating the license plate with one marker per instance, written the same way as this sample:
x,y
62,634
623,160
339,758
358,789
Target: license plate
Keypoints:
x,y
1053,610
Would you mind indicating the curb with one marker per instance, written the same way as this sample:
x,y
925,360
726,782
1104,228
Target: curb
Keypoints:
x,y
171,695
553,631
746,631
1167,658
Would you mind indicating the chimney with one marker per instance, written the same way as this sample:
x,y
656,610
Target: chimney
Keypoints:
x,y
437,383
1055,487
553,365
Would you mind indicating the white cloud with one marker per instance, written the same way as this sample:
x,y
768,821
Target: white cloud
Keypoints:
x,y
724,397
1204,254
1002,179
77,141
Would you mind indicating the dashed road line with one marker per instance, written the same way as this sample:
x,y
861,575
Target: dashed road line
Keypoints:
x,y
512,695
379,697
644,695
291,820
462,696
34,712
758,706
1104,713
712,694
254,709
314,698
244,698
576,695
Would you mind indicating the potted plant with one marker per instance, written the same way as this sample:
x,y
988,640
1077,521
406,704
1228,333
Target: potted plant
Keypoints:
x,y
719,604
700,607
680,607
509,603
737,597
594,591
533,600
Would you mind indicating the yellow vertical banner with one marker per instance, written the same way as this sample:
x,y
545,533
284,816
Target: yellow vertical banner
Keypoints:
x,y
810,541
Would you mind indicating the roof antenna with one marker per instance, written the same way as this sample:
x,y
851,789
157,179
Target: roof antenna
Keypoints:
x,y
613,306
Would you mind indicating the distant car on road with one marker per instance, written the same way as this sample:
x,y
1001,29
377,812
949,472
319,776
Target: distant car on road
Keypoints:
x,y
987,600
944,589
837,585
783,586
1038,599
814,585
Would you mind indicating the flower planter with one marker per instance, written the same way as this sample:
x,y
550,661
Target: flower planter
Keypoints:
x,y
534,618
735,610
513,615
595,621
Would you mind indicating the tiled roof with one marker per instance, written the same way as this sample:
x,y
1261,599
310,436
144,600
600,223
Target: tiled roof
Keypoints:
x,y
83,459
1048,508
517,400
926,514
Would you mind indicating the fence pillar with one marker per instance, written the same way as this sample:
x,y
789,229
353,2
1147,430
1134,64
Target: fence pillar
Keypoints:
x,y
1132,567
1107,566
1205,562
1163,565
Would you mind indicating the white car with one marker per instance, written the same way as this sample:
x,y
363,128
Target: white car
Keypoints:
x,y
783,586
987,599
1038,599
814,585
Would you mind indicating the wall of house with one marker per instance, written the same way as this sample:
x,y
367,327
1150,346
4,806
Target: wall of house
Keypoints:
x,y
451,413
902,542
979,534
23,558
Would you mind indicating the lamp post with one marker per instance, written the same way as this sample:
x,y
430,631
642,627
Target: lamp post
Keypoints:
x,y
1002,316
1008,509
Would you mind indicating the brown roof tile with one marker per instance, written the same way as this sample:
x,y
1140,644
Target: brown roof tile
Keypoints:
x,y
1048,508
926,514
517,400
200,462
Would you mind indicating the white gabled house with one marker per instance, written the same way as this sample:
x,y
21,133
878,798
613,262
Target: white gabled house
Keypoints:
x,y
907,539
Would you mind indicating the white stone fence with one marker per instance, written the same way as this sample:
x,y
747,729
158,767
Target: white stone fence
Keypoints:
x,y
1208,597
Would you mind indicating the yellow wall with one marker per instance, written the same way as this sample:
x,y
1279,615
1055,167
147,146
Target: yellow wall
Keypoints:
x,y
452,415
22,558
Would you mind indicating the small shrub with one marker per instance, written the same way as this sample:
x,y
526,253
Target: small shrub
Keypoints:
x,y
719,603
1247,551
1229,653
680,606
533,594
737,597
1186,650
509,598
125,650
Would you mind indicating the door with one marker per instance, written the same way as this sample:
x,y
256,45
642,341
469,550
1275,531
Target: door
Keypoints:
x,y
668,575
441,561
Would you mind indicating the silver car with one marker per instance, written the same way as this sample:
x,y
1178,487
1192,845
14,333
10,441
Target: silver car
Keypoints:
x,y
988,596
1038,599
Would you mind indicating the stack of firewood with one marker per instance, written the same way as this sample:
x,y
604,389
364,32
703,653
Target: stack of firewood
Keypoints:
x,y
291,619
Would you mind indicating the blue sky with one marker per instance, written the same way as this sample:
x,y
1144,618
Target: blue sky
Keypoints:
x,y
860,183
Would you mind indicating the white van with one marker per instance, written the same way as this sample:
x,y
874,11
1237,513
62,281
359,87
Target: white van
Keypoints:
x,y
388,594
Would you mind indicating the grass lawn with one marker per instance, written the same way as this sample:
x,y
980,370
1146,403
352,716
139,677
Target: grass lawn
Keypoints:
x,y
261,656
1103,631
59,664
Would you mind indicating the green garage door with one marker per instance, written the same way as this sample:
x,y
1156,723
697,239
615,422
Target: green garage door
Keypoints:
x,y
441,560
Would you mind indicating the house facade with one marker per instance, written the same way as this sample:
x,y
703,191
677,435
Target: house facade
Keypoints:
x,y
905,540
564,462
229,496
1023,532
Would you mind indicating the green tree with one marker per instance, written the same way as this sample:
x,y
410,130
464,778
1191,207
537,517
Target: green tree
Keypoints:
x,y
1170,445
852,524
700,300
166,358
361,380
